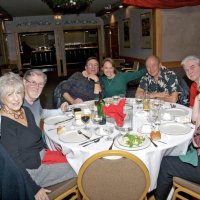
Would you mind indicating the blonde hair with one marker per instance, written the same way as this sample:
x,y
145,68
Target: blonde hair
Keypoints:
x,y
10,82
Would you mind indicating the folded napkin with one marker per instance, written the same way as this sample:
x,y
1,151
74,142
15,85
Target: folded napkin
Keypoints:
x,y
116,112
190,157
53,157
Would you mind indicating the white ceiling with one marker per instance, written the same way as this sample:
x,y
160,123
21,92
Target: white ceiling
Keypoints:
x,y
17,8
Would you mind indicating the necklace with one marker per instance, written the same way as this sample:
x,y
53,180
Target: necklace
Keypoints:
x,y
17,115
109,81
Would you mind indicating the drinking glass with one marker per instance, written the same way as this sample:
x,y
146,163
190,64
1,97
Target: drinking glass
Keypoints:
x,y
85,117
139,101
95,117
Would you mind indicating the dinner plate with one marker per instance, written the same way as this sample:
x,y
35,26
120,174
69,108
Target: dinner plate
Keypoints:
x,y
174,128
54,120
74,137
176,112
119,143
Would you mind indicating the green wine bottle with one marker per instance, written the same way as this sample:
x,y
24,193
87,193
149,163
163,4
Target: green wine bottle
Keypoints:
x,y
100,105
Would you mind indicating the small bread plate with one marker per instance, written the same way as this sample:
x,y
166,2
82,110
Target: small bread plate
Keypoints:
x,y
145,129
176,112
119,143
74,137
104,130
174,128
57,120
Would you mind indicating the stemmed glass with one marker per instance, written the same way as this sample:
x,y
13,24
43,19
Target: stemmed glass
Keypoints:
x,y
85,117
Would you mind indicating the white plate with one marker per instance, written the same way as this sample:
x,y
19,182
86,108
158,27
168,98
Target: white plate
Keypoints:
x,y
176,112
121,145
73,136
174,128
105,130
78,123
59,118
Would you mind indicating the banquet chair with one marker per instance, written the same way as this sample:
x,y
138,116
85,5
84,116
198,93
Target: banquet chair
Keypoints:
x,y
183,186
123,177
118,63
61,190
135,67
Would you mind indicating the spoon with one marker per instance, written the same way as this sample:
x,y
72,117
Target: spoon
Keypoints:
x,y
94,141
81,133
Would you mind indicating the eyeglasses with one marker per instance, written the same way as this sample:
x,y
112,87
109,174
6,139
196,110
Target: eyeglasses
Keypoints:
x,y
93,65
35,84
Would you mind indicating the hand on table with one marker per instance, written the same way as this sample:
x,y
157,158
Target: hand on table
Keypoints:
x,y
42,194
64,107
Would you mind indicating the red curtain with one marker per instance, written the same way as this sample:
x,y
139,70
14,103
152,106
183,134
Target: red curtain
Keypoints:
x,y
161,3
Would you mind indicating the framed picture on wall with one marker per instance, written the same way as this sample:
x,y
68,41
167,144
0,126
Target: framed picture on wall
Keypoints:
x,y
146,30
126,29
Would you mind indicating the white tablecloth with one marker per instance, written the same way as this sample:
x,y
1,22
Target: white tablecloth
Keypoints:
x,y
151,156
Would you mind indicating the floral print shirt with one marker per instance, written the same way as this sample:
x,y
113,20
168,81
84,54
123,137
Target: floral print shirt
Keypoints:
x,y
167,82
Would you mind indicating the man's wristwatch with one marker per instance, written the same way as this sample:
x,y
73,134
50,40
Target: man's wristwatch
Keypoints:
x,y
96,82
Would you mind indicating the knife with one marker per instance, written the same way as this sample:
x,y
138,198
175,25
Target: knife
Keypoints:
x,y
153,142
63,121
90,141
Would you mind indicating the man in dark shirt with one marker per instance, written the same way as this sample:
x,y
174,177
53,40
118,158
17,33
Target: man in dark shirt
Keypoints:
x,y
79,88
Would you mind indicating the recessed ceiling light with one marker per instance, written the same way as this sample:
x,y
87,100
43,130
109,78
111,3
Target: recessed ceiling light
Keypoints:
x,y
121,6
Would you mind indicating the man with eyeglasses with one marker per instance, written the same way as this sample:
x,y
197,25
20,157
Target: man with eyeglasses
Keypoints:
x,y
34,81
78,88
191,65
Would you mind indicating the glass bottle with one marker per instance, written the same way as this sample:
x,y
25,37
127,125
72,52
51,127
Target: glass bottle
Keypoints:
x,y
100,105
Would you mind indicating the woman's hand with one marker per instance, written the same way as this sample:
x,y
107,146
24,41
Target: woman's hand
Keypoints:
x,y
93,77
64,106
42,194
84,73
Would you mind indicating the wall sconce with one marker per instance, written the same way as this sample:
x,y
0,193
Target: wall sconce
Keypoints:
x,y
57,18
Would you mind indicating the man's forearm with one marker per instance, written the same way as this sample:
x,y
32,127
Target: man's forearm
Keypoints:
x,y
68,98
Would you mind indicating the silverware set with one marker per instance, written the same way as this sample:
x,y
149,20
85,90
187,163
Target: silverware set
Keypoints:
x,y
84,144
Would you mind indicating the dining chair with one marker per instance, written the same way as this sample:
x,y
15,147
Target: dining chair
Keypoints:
x,y
118,62
183,186
122,176
135,67
61,190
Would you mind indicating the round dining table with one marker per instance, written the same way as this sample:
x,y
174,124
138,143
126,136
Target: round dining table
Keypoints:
x,y
176,135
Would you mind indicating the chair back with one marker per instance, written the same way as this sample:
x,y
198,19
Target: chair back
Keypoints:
x,y
57,97
118,62
183,186
124,177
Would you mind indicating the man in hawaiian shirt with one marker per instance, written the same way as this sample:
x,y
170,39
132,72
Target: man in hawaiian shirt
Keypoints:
x,y
159,82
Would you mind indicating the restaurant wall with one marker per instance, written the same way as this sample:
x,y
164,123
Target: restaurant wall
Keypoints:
x,y
133,16
44,23
180,33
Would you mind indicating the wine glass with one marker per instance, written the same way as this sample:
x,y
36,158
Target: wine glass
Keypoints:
x,y
85,117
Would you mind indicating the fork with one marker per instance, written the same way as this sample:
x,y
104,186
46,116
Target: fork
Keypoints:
x,y
111,146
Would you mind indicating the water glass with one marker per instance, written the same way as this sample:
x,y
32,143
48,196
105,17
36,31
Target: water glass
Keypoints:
x,y
139,101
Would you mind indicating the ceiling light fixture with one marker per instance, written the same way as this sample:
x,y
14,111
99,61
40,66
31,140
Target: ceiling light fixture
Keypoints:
x,y
68,6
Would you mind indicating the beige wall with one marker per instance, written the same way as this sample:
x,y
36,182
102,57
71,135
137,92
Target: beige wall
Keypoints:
x,y
180,33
